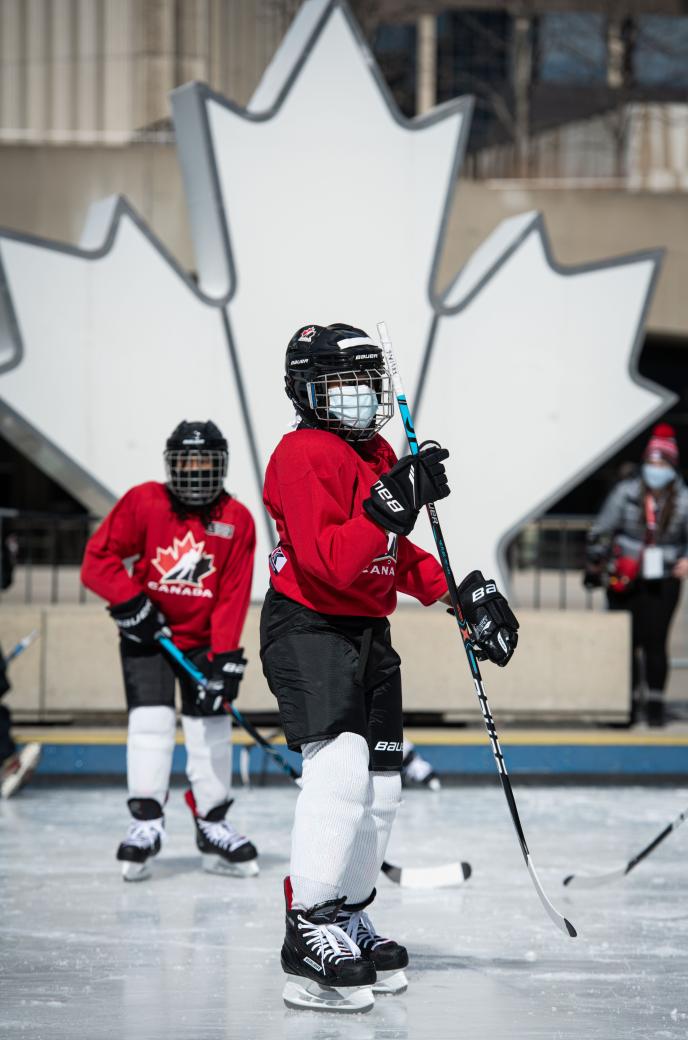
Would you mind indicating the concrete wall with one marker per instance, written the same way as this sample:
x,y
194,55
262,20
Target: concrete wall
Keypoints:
x,y
572,664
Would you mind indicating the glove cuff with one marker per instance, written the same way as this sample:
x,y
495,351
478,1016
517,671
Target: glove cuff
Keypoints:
x,y
137,604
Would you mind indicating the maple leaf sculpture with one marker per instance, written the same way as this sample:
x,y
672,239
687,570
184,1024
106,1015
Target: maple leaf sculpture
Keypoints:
x,y
320,203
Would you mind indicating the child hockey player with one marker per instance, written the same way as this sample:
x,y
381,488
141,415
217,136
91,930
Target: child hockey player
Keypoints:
x,y
344,506
194,546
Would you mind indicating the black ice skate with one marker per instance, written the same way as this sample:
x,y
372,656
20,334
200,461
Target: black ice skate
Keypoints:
x,y
388,956
325,969
144,838
225,851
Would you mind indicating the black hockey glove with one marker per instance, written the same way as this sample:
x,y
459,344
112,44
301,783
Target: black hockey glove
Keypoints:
x,y
397,497
225,672
492,621
594,565
139,620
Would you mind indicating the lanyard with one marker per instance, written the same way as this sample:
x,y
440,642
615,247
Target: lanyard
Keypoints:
x,y
650,519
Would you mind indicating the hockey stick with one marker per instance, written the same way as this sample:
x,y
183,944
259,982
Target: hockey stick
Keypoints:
x,y
559,920
21,646
202,680
593,880
414,877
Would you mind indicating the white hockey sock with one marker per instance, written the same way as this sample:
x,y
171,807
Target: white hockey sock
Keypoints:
x,y
208,742
329,811
150,746
370,845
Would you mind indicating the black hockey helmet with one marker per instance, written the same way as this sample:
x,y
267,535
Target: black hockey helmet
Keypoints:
x,y
337,379
196,458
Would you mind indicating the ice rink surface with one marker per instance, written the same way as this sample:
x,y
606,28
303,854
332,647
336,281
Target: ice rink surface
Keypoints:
x,y
192,956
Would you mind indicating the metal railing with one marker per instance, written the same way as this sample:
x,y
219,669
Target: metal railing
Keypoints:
x,y
43,553
546,560
46,549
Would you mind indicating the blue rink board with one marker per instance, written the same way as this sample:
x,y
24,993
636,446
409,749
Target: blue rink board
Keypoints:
x,y
99,759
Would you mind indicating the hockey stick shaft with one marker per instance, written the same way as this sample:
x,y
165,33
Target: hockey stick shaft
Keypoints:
x,y
412,439
197,675
21,646
595,880
656,841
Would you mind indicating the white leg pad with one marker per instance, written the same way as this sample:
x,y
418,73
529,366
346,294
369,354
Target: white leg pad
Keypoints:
x,y
302,994
208,742
370,845
150,746
329,811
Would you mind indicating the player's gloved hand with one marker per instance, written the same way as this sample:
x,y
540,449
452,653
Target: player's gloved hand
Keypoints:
x,y
225,672
493,623
397,496
139,620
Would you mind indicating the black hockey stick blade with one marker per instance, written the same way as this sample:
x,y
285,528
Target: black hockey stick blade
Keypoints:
x,y
446,875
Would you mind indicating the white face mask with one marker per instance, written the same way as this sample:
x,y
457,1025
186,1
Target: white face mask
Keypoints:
x,y
657,477
354,405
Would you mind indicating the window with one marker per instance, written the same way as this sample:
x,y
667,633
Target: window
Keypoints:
x,y
572,48
660,51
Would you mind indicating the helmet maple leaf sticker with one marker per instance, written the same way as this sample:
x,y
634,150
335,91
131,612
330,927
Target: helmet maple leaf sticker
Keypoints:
x,y
184,562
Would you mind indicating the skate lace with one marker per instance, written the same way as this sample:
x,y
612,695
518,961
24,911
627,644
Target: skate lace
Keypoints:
x,y
329,941
143,833
222,834
362,930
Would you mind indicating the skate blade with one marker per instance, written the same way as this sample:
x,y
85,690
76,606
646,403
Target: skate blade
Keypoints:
x,y
311,996
135,871
390,983
218,865
28,760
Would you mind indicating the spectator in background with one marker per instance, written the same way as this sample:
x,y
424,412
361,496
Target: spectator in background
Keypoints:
x,y
639,542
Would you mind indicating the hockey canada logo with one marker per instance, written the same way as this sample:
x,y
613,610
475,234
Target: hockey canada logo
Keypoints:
x,y
385,564
307,335
183,567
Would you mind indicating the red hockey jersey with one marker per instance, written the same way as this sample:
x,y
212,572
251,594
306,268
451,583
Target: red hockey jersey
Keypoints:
x,y
331,557
200,577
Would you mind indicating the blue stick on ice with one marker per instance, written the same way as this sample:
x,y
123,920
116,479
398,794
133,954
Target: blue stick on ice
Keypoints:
x,y
198,677
560,921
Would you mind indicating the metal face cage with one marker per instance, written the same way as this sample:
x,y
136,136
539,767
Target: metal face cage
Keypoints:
x,y
355,425
196,476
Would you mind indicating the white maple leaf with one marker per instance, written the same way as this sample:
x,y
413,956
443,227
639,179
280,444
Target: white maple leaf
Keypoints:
x,y
541,362
318,203
106,348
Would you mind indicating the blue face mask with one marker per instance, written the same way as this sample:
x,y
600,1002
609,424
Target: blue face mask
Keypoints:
x,y
657,477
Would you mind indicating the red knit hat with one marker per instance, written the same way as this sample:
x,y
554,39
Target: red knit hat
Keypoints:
x,y
662,446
